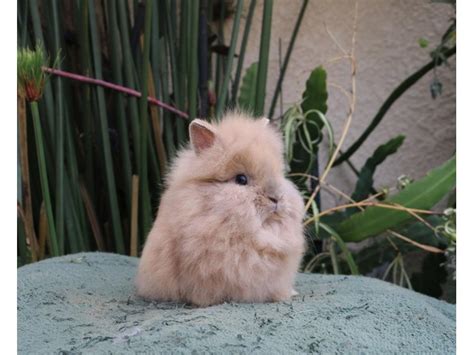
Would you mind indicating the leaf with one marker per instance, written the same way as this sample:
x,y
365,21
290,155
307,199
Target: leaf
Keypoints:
x,y
420,233
315,96
366,177
380,251
314,105
422,194
394,96
248,88
347,254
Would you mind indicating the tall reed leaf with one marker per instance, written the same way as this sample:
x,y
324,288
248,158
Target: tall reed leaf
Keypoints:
x,y
107,154
144,190
222,99
263,57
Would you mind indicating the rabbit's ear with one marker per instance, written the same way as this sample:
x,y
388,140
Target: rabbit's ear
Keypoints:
x,y
202,135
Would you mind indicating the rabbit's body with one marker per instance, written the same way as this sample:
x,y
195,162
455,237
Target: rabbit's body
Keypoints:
x,y
216,239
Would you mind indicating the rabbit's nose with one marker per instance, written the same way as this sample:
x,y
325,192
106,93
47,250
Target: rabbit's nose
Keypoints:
x,y
275,203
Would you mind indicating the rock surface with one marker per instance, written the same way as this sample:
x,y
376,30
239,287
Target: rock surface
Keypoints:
x,y
85,303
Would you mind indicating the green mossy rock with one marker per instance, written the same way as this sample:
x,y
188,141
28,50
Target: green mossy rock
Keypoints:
x,y
85,303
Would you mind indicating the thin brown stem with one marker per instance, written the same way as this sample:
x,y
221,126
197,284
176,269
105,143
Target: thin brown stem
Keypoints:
x,y
116,87
428,248
91,214
364,203
351,109
25,180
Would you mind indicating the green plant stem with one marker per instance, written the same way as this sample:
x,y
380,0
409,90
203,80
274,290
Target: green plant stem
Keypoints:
x,y
44,179
73,232
164,75
182,98
48,93
399,91
22,16
24,174
22,247
263,57
128,65
183,57
109,170
177,74
222,99
119,102
143,166
332,252
220,41
243,46
347,254
88,120
59,135
193,59
287,58
203,59
79,234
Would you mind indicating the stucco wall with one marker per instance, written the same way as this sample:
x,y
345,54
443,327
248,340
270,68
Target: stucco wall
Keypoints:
x,y
387,51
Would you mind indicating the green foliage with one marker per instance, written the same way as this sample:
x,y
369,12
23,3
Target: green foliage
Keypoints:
x,y
31,78
225,84
302,136
422,194
263,57
303,125
96,142
391,99
347,254
248,89
393,226
366,176
315,95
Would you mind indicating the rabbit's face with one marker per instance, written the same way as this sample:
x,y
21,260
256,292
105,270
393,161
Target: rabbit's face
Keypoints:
x,y
251,182
237,166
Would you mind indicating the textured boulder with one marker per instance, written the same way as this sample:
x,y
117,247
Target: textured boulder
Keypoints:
x,y
85,303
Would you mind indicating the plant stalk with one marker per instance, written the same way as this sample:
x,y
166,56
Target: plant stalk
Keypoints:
x,y
222,99
263,58
54,247
143,166
399,91
289,50
116,87
25,180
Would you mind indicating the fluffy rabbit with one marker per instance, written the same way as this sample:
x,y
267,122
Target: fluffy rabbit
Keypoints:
x,y
229,225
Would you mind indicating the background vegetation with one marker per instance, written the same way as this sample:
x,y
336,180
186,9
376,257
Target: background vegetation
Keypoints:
x,y
107,90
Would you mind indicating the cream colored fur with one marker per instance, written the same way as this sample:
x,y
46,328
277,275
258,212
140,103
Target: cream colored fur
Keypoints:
x,y
215,240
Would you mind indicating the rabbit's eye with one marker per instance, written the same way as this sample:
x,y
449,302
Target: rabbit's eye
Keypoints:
x,y
241,179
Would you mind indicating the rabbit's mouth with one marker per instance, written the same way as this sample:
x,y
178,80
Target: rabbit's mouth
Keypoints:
x,y
275,212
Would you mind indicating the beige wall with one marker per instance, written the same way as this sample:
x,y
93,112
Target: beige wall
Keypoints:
x,y
387,52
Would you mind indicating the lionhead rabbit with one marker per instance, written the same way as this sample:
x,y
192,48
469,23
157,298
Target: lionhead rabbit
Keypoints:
x,y
229,225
